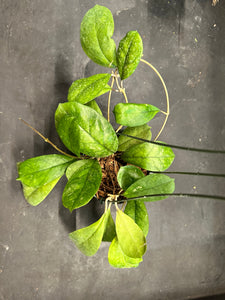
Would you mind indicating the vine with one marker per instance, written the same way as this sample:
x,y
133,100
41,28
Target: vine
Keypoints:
x,y
167,96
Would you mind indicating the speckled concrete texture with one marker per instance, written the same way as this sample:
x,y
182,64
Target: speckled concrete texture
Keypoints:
x,y
40,56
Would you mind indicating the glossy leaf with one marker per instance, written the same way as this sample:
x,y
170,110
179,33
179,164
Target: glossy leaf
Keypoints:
x,y
84,178
150,185
88,239
93,104
86,89
129,54
128,175
138,212
41,170
110,230
131,238
149,156
125,142
96,30
35,195
83,130
118,259
134,114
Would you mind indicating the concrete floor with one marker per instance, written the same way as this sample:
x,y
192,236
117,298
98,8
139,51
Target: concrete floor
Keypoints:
x,y
40,56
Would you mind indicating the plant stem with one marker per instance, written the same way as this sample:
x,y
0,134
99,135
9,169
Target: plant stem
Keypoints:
x,y
118,129
216,197
109,98
167,96
117,81
174,146
117,208
121,88
123,92
123,206
47,140
106,205
125,95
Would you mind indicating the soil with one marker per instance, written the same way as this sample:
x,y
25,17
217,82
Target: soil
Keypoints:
x,y
110,166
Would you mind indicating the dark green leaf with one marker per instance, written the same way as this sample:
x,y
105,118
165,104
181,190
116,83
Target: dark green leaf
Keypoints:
x,y
41,170
129,54
138,212
133,114
83,130
149,156
86,89
110,230
150,185
118,259
93,104
125,142
131,238
88,239
96,30
84,178
128,175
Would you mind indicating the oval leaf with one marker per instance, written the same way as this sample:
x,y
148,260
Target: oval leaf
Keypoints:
x,y
35,195
88,239
129,54
125,142
118,259
110,230
134,114
138,212
96,30
41,170
83,130
93,104
84,178
150,185
149,156
128,175
86,89
131,238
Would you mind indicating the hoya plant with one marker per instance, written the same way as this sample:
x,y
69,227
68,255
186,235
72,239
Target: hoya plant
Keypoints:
x,y
122,167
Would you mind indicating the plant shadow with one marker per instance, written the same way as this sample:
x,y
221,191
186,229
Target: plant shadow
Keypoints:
x,y
63,80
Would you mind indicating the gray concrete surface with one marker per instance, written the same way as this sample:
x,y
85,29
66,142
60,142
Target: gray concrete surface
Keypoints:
x,y
40,56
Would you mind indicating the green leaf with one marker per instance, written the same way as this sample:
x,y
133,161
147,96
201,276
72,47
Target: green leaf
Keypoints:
x,y
86,89
88,239
118,259
138,212
129,54
134,114
110,230
128,175
35,195
131,238
83,130
125,142
96,30
84,178
41,170
150,185
149,156
93,104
